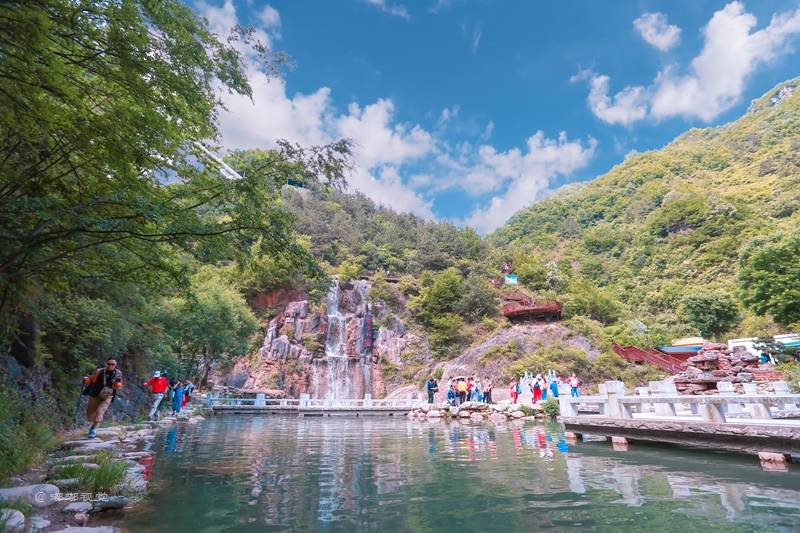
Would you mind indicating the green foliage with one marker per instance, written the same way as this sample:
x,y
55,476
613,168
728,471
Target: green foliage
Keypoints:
x,y
440,296
511,350
447,334
550,407
663,223
712,313
26,429
588,300
769,277
792,372
383,291
559,357
438,372
211,326
478,300
778,351
313,344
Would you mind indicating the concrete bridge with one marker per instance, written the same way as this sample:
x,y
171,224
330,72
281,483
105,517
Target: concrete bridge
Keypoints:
x,y
766,424
306,406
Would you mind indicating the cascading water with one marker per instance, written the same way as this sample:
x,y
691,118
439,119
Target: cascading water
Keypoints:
x,y
348,372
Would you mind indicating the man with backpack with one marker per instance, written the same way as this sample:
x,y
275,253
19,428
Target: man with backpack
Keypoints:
x,y
101,387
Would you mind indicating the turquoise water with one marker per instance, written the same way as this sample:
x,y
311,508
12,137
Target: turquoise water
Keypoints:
x,y
286,473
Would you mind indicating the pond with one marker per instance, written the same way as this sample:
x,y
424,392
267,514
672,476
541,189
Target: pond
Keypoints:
x,y
288,473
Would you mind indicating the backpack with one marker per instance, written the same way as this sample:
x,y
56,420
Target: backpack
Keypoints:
x,y
517,389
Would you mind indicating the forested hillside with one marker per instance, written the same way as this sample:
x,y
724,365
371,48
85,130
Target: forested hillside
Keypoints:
x,y
676,223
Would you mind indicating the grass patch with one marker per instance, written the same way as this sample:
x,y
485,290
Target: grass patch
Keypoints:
x,y
106,478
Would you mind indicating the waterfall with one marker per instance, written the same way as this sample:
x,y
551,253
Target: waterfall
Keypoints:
x,y
348,372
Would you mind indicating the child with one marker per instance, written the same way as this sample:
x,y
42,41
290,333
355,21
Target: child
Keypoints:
x,y
177,397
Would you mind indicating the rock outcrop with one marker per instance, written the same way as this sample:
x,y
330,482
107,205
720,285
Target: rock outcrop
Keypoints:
x,y
332,351
715,363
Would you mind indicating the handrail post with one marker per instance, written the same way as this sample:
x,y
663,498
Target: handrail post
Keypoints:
x,y
731,407
662,408
712,412
758,409
615,390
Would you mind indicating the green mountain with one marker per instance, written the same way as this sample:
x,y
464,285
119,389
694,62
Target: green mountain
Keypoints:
x,y
665,223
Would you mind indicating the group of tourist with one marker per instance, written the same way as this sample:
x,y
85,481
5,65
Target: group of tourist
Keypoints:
x,y
463,390
540,384
178,391
469,389
102,385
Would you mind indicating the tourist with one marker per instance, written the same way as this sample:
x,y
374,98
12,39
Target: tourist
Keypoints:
x,y
470,389
189,389
177,397
554,386
452,394
477,394
101,387
545,379
574,384
514,390
536,388
487,390
462,391
432,387
158,386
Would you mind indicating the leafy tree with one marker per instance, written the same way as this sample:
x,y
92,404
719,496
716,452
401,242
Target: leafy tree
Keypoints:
x,y
209,327
447,335
712,313
769,277
588,300
479,299
440,296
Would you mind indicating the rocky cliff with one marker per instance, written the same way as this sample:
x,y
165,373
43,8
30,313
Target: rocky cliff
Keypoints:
x,y
333,351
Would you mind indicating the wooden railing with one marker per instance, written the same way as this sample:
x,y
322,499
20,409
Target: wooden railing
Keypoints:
x,y
664,361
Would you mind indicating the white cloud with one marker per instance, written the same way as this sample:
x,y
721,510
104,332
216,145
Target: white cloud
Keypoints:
x,y
717,76
656,31
447,114
397,10
529,174
389,155
271,19
487,131
476,40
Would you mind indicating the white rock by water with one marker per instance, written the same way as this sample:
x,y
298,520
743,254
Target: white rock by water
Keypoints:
x,y
77,507
12,520
36,495
39,522
100,529
434,413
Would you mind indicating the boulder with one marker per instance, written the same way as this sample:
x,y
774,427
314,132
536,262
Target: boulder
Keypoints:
x,y
476,417
36,495
453,411
68,483
77,507
39,522
744,377
517,414
425,408
108,504
434,413
497,417
464,414
12,520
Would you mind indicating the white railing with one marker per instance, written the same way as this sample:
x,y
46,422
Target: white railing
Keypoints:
x,y
726,407
260,401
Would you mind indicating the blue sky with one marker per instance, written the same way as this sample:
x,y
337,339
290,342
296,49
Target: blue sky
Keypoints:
x,y
468,110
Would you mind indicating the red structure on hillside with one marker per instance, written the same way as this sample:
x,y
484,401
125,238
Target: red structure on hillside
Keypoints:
x,y
671,362
520,306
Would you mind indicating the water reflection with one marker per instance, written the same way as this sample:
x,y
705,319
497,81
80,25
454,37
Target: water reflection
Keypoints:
x,y
281,473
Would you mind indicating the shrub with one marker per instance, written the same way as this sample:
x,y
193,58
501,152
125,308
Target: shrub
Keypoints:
x,y
559,357
447,335
792,372
26,431
550,407
510,350
313,344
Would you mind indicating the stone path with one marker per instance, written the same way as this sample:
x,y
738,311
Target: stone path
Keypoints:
x,y
58,503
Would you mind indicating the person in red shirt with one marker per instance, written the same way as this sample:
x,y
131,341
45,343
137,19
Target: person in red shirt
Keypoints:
x,y
158,384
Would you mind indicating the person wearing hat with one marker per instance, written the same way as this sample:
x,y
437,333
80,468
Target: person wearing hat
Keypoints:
x,y
158,385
